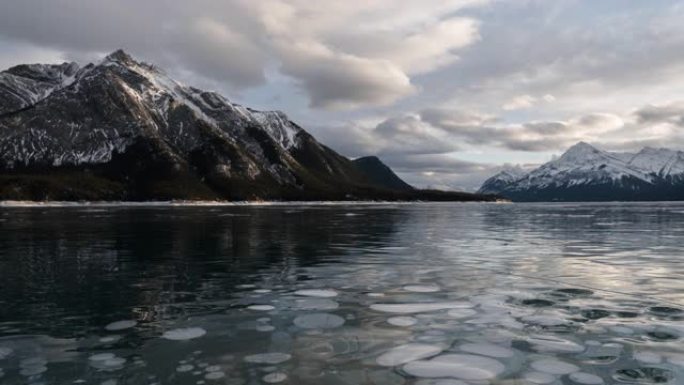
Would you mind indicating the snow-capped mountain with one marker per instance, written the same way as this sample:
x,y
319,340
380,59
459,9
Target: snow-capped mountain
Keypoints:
x,y
141,135
121,129
585,173
500,180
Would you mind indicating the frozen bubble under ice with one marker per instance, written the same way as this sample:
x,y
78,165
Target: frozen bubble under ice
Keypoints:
x,y
319,321
409,308
185,368
5,352
321,293
33,370
460,366
115,362
406,353
101,356
261,307
316,304
489,350
554,366
183,334
120,325
440,381
461,313
553,344
545,320
586,378
402,321
275,377
422,288
539,378
648,357
264,328
214,375
268,358
109,339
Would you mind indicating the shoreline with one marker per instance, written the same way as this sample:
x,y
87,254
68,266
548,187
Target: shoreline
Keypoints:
x,y
60,204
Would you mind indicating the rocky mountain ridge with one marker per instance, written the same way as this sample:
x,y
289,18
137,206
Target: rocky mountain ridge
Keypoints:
x,y
122,129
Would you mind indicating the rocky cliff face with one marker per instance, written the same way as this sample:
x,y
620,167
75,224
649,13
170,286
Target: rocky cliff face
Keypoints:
x,y
123,129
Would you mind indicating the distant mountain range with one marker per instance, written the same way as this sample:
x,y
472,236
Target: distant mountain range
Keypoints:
x,y
125,130
585,173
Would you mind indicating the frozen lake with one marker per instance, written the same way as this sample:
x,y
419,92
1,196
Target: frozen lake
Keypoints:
x,y
424,294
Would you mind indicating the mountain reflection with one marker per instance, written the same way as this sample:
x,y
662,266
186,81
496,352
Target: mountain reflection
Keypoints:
x,y
55,263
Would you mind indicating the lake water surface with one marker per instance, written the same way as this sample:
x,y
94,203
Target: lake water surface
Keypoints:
x,y
424,294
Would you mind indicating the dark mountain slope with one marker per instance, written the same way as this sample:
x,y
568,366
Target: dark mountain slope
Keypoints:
x,y
373,168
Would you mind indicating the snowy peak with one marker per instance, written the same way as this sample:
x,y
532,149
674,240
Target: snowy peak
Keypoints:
x,y
582,153
120,56
160,89
584,167
502,179
45,73
660,161
509,174
27,84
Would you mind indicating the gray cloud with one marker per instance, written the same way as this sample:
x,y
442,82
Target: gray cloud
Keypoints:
x,y
672,112
237,41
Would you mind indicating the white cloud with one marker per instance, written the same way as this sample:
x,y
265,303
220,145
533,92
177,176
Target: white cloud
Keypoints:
x,y
519,102
549,98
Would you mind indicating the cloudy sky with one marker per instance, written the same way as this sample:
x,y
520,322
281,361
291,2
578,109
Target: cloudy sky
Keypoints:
x,y
445,91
